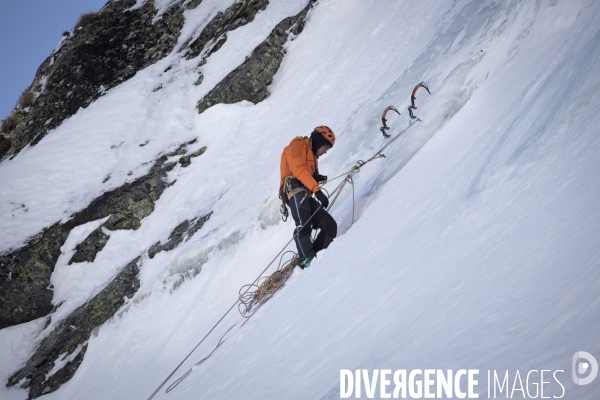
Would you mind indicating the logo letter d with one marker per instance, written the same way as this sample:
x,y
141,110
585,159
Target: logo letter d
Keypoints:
x,y
593,363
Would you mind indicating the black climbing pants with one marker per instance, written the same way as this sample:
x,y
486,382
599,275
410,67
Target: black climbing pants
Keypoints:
x,y
301,212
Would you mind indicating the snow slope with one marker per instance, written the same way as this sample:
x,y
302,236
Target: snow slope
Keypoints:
x,y
476,244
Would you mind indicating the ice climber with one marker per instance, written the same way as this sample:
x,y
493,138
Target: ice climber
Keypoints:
x,y
299,182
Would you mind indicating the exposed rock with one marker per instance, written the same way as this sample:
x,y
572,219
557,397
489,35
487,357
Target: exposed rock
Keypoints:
x,y
182,232
181,150
92,245
25,277
199,152
249,81
103,50
4,145
215,33
10,123
185,161
25,273
193,4
128,204
72,335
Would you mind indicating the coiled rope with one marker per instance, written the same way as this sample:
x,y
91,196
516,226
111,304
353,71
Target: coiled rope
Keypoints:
x,y
257,294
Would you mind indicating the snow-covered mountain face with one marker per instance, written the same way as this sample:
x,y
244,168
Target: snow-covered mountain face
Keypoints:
x,y
475,242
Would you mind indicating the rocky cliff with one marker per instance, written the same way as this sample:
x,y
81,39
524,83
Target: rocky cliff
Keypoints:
x,y
103,50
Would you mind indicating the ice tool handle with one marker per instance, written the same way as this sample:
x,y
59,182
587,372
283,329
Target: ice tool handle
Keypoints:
x,y
383,120
413,98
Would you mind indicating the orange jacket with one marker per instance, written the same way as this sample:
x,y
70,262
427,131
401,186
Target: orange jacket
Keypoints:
x,y
298,160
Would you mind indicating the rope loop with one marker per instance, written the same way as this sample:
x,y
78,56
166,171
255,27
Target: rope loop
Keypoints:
x,y
256,294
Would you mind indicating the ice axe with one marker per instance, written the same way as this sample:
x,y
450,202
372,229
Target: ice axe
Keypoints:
x,y
383,120
413,98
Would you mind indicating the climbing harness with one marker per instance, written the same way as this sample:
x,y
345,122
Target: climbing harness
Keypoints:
x,y
413,98
291,187
254,295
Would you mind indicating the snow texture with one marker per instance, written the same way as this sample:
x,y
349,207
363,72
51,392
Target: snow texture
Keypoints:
x,y
476,241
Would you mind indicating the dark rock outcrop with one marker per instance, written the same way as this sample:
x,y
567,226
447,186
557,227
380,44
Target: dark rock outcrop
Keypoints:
x,y
250,80
92,245
104,49
215,33
25,277
130,203
25,273
186,160
193,4
72,335
182,232
4,146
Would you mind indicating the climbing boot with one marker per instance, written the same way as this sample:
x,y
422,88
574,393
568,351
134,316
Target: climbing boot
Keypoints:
x,y
304,263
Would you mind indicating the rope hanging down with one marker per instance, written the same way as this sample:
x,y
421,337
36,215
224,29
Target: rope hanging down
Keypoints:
x,y
250,301
189,371
224,315
263,288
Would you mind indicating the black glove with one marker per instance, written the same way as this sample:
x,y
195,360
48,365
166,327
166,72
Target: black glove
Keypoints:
x,y
320,178
322,199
